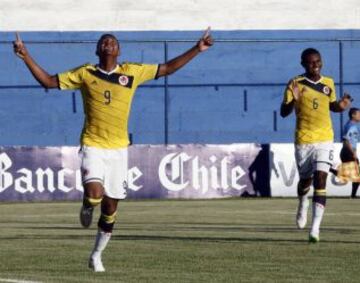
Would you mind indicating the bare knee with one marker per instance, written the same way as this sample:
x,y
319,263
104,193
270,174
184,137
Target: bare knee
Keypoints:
x,y
94,190
109,205
93,194
108,214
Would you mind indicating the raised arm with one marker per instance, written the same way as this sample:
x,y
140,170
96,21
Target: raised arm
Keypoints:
x,y
287,106
46,80
342,104
175,64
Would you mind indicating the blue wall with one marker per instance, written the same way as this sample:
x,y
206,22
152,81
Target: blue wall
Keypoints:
x,y
226,95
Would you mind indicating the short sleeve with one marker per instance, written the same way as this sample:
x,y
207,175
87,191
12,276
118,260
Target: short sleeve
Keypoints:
x,y
72,79
333,92
350,132
146,72
288,94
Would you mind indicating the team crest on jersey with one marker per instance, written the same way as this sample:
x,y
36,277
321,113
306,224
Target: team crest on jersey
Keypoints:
x,y
123,80
326,90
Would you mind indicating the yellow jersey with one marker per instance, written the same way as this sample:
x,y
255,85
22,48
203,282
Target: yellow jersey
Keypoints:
x,y
107,100
313,120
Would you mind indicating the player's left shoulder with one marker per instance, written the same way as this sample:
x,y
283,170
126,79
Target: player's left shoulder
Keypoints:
x,y
131,68
131,65
137,64
327,80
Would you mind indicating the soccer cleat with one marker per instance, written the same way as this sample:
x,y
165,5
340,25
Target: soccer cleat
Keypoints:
x,y
95,263
314,239
301,215
86,214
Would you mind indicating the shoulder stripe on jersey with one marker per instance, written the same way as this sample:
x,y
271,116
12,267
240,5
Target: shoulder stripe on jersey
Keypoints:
x,y
157,72
115,78
319,87
58,81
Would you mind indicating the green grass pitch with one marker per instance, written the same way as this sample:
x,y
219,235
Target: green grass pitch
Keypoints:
x,y
236,240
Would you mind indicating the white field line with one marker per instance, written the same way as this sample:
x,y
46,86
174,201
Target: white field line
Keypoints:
x,y
290,212
47,216
17,281
284,212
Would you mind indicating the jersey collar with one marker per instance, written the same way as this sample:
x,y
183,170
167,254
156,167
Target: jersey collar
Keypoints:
x,y
311,81
107,73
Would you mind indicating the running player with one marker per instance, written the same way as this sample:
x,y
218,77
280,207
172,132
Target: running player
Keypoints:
x,y
107,91
313,97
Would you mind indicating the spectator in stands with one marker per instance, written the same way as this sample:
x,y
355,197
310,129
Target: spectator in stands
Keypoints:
x,y
350,139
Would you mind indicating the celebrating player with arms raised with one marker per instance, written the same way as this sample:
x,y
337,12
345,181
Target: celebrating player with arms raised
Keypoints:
x,y
313,97
107,90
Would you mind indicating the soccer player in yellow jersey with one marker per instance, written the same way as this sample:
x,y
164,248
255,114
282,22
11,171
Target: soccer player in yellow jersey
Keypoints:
x,y
313,97
107,91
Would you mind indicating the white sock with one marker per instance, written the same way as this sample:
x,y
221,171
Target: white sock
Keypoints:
x,y
102,239
318,212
